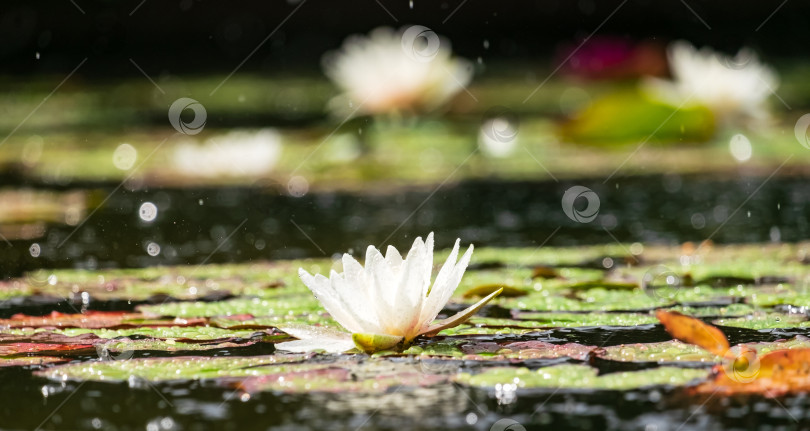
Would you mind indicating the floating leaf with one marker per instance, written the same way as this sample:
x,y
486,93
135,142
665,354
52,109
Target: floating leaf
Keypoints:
x,y
30,360
93,320
164,369
491,351
573,320
375,377
11,349
766,321
195,333
773,374
693,331
571,376
487,289
544,272
274,307
663,352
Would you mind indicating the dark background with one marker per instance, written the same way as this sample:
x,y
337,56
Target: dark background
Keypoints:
x,y
195,36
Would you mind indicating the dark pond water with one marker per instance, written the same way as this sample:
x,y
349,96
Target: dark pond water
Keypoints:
x,y
209,225
247,223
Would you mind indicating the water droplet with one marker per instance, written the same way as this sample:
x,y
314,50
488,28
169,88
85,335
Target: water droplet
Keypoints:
x,y
34,250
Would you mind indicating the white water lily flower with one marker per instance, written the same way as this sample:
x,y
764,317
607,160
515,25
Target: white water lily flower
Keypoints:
x,y
389,301
382,74
734,88
236,154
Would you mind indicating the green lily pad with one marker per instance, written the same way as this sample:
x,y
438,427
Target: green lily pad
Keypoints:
x,y
23,361
276,307
676,351
663,352
487,289
369,377
196,333
573,320
766,321
571,376
93,320
491,351
166,369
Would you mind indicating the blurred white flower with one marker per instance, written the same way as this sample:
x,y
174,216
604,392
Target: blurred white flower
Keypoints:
x,y
734,88
390,301
390,72
235,154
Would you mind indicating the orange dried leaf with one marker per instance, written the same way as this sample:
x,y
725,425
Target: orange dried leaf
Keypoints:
x,y
773,374
693,331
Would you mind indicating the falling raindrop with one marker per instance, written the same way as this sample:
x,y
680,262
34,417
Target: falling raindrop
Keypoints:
x,y
410,4
775,234
37,55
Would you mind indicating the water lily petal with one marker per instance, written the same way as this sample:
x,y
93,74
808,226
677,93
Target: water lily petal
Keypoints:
x,y
331,299
355,300
353,272
328,345
394,259
409,290
378,276
460,317
447,268
440,293
311,338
